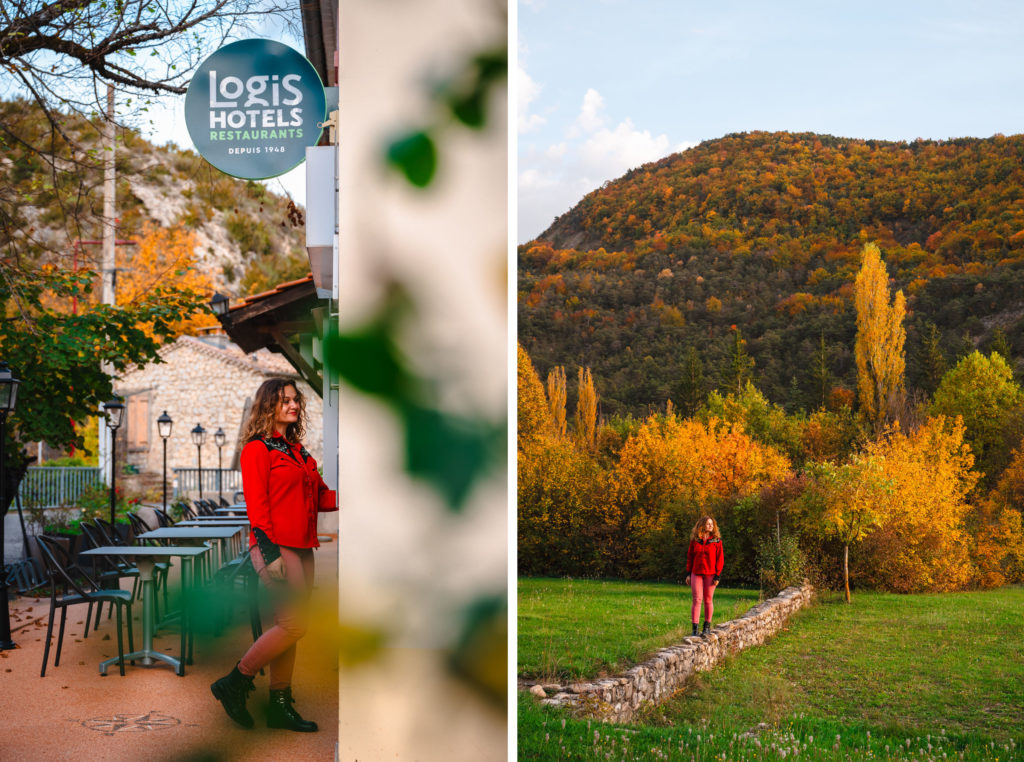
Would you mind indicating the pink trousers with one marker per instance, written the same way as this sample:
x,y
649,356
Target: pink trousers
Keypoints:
x,y
702,589
276,646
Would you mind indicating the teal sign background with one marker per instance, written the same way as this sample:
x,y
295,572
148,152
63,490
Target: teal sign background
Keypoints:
x,y
253,107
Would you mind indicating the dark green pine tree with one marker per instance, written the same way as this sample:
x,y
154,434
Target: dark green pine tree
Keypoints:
x,y
692,387
967,345
933,359
741,364
1000,344
821,372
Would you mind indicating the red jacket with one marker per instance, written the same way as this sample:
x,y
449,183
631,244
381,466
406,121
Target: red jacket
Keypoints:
x,y
284,492
705,557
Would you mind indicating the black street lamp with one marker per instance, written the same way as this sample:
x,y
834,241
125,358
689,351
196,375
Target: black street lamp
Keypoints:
x,y
163,426
8,397
114,410
219,304
219,438
199,439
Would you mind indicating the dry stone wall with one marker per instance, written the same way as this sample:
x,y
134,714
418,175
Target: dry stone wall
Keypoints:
x,y
617,699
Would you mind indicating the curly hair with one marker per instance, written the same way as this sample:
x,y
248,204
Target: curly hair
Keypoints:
x,y
698,529
263,413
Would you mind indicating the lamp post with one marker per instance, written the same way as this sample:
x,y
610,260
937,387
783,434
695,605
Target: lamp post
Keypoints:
x,y
219,304
114,410
8,397
220,438
163,426
199,438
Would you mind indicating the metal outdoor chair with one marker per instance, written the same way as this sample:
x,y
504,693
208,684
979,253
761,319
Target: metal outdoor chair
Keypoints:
x,y
24,576
70,585
163,518
108,570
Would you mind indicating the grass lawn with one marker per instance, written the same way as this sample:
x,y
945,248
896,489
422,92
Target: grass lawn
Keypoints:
x,y
570,628
888,677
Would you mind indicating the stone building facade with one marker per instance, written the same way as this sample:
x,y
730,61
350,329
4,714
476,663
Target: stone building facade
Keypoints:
x,y
209,381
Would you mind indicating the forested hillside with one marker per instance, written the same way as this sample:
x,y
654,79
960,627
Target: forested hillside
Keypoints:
x,y
668,282
241,238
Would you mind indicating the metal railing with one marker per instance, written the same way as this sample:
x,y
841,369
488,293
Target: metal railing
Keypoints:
x,y
224,481
45,487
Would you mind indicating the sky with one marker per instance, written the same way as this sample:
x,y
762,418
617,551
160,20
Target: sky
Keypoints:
x,y
604,86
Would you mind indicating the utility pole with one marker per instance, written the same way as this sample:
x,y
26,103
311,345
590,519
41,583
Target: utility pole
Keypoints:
x,y
108,270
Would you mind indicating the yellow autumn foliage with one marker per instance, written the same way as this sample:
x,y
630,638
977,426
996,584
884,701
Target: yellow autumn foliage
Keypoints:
x,y
671,462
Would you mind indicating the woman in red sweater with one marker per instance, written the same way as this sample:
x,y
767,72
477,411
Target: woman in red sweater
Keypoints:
x,y
704,561
283,495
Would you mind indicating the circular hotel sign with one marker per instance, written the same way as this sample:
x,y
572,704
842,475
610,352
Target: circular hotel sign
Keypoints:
x,y
253,107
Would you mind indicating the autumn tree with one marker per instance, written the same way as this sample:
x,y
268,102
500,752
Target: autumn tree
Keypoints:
x,y
670,470
166,257
586,410
556,399
533,415
981,390
880,337
845,502
922,545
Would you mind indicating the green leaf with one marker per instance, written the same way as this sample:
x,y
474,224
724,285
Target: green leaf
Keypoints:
x,y
414,155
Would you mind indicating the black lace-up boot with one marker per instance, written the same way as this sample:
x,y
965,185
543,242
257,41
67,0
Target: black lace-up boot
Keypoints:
x,y
281,713
707,629
232,690
694,628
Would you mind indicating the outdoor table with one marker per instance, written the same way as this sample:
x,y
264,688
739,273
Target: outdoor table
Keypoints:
x,y
214,521
146,557
218,521
231,510
193,535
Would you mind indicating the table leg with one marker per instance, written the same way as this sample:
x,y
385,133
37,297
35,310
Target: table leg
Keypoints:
x,y
147,654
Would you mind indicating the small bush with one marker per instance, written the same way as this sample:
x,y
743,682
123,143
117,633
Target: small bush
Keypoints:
x,y
780,564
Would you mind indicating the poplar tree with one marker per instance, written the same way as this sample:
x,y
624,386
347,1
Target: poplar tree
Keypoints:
x,y
880,338
556,399
586,410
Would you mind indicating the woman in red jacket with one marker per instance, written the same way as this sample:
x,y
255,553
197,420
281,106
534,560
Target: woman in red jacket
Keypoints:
x,y
704,561
283,495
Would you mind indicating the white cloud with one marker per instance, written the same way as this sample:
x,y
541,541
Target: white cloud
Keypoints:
x,y
555,178
527,90
557,151
590,117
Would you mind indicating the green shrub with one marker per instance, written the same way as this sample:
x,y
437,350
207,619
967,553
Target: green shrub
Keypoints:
x,y
780,563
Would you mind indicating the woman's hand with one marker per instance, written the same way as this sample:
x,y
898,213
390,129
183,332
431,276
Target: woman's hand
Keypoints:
x,y
687,580
276,570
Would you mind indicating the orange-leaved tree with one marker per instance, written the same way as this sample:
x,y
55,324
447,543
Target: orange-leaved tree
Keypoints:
x,y
165,257
880,337
922,544
669,470
586,411
556,399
